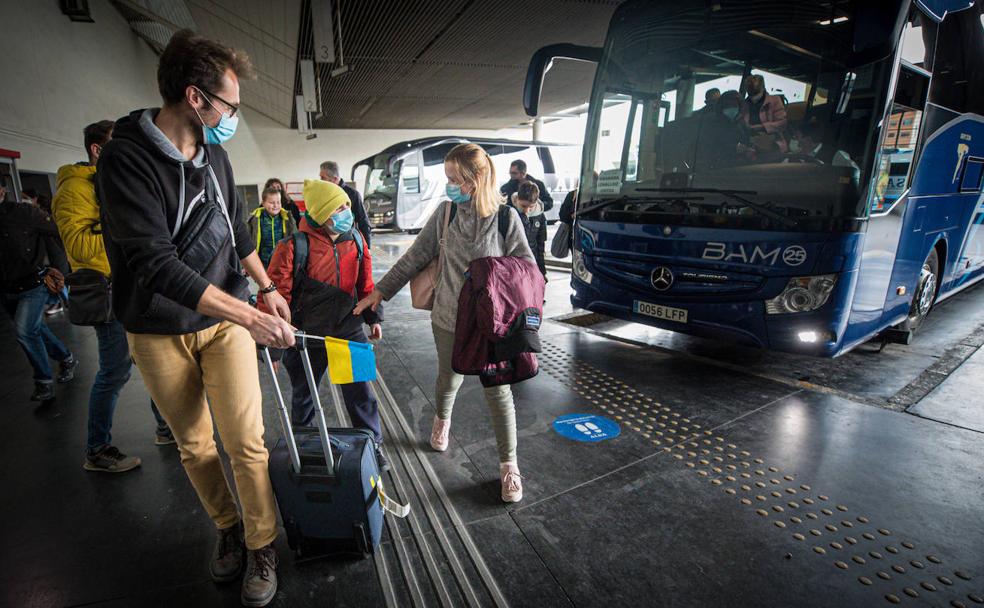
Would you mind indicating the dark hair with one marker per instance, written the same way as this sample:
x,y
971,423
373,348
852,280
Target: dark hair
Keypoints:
x,y
711,91
97,133
269,192
519,164
273,180
30,192
190,59
528,191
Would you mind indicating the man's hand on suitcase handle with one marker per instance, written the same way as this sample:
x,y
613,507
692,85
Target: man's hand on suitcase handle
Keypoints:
x,y
271,331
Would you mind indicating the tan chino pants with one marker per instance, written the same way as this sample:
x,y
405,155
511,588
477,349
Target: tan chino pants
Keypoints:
x,y
218,363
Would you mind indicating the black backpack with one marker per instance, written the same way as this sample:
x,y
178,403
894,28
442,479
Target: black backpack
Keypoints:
x,y
503,218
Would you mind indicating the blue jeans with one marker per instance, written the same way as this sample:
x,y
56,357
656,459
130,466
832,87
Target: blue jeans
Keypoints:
x,y
114,371
26,309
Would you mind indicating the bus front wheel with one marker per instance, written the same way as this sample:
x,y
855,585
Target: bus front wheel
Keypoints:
x,y
925,294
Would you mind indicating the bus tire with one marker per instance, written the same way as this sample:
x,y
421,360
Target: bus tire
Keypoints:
x,y
924,296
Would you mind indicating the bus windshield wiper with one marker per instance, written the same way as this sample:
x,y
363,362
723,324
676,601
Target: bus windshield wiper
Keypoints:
x,y
737,195
596,205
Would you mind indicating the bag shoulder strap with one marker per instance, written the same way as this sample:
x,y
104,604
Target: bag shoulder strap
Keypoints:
x,y
300,257
503,219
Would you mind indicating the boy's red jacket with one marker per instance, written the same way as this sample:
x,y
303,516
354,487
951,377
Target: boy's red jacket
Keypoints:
x,y
321,265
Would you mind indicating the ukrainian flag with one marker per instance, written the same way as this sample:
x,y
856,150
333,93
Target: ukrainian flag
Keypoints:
x,y
350,362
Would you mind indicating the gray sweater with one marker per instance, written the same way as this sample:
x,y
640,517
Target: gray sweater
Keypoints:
x,y
469,238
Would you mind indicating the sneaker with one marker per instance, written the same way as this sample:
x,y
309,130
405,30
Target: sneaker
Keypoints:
x,y
54,309
260,582
164,436
110,460
512,483
381,459
227,555
68,367
439,434
43,391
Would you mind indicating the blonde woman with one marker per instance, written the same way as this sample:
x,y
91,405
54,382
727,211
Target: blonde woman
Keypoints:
x,y
472,234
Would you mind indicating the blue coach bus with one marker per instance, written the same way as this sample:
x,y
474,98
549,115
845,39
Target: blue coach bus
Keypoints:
x,y
838,207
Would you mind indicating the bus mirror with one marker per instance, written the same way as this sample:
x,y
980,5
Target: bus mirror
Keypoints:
x,y
542,61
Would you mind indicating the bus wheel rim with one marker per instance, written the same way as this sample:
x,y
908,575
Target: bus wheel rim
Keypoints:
x,y
928,291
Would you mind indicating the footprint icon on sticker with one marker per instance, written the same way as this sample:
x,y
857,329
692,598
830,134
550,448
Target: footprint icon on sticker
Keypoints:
x,y
593,429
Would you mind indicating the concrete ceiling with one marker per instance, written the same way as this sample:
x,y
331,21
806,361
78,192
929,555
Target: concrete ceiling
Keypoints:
x,y
450,64
435,64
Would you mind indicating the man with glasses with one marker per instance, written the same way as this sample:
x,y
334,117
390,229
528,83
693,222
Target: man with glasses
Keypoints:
x,y
177,244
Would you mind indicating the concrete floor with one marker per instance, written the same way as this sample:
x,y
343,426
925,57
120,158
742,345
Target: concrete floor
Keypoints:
x,y
740,478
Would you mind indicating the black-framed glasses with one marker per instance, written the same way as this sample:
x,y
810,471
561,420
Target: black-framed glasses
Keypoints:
x,y
233,107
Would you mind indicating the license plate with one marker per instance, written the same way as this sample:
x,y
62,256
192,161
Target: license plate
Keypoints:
x,y
659,311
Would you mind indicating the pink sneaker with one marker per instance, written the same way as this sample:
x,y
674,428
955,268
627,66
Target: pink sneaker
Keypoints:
x,y
439,434
512,484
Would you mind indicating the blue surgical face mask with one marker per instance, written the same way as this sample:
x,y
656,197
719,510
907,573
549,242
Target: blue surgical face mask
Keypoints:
x,y
731,113
456,195
341,222
222,132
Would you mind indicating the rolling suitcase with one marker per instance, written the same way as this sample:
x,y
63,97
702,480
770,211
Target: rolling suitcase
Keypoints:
x,y
327,481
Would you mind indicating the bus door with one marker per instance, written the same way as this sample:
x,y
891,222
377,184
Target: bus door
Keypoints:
x,y
887,279
410,194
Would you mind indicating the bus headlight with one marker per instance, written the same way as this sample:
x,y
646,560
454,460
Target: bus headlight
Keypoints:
x,y
802,294
580,269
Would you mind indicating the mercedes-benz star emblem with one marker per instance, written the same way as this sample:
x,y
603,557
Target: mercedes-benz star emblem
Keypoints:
x,y
661,278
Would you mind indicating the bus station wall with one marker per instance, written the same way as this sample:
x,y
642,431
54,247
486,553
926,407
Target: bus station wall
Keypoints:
x,y
58,76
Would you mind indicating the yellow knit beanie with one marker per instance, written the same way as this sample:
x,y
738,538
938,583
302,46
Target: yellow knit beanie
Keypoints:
x,y
322,198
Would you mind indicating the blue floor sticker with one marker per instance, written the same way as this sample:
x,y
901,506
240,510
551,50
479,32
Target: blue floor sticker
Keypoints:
x,y
586,427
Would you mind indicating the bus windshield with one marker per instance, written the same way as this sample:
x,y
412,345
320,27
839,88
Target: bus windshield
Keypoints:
x,y
755,115
382,184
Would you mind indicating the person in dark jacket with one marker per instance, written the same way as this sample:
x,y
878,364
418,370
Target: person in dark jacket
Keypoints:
x,y
176,243
329,173
518,175
32,271
527,201
285,200
335,276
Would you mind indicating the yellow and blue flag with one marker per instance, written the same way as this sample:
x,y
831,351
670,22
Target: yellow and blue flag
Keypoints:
x,y
350,362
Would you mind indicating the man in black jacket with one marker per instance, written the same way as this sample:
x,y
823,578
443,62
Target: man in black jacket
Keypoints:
x,y
32,269
518,175
176,243
329,173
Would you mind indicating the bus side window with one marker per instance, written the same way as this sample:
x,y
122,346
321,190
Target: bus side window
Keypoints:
x,y
958,64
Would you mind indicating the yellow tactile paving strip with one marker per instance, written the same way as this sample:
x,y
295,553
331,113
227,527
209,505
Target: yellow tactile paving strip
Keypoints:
x,y
850,543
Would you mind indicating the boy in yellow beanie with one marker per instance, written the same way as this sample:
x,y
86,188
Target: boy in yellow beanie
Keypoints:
x,y
322,271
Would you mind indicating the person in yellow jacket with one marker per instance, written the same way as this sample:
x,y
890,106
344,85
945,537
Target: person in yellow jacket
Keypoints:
x,y
76,212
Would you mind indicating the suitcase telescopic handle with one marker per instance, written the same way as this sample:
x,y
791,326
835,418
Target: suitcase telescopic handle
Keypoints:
x,y
295,457
319,411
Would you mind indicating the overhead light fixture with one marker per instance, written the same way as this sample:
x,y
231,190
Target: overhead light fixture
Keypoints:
x,y
342,66
76,10
834,20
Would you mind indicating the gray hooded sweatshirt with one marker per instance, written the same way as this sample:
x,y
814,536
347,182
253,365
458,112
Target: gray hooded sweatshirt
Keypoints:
x,y
468,238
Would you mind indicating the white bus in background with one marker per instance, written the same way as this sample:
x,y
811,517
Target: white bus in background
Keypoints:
x,y
404,183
